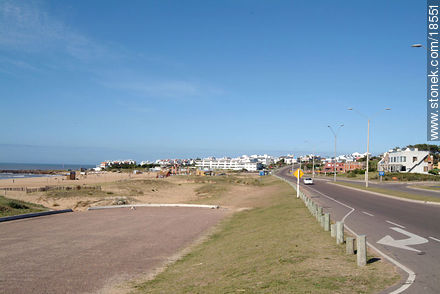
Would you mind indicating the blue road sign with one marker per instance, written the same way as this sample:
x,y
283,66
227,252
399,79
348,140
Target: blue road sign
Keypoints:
x,y
381,173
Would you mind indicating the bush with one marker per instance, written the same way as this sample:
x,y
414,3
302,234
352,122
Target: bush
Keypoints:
x,y
434,171
410,177
17,205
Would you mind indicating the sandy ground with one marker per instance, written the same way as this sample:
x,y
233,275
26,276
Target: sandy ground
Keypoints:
x,y
133,189
93,251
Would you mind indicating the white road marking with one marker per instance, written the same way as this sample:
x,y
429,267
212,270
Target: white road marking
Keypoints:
x,y
343,204
367,213
404,243
435,239
397,225
411,275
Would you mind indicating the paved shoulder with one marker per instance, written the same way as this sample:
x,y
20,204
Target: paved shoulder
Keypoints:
x,y
83,252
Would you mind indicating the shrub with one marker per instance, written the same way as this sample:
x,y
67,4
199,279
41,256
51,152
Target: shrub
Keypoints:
x,y
351,175
434,171
17,205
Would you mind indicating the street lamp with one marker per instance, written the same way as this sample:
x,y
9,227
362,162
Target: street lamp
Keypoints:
x,y
368,137
418,46
336,135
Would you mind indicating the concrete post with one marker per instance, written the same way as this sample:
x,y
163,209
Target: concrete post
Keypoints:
x,y
361,250
327,222
339,232
349,248
333,230
319,213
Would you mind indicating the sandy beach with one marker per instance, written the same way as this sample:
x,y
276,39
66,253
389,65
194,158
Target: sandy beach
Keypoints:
x,y
89,179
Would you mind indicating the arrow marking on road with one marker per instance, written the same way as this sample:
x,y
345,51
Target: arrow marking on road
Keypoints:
x,y
404,243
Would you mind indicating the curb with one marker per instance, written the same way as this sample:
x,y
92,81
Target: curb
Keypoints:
x,y
155,205
36,214
389,196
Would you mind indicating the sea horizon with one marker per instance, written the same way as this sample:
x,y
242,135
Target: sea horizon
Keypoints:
x,y
42,166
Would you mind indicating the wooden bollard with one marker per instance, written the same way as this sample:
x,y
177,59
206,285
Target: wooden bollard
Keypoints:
x,y
349,245
333,230
327,222
339,232
361,250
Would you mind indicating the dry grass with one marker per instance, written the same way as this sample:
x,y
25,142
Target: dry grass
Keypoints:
x,y
275,248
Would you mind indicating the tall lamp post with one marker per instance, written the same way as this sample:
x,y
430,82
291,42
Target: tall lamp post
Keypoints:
x,y
336,135
368,140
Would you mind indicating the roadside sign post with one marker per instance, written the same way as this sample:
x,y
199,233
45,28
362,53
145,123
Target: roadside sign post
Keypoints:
x,y
381,174
298,174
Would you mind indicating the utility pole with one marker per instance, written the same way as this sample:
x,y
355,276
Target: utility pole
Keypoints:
x,y
368,139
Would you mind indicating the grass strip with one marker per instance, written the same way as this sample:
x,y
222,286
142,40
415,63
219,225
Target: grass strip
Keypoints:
x,y
391,192
431,188
278,248
10,207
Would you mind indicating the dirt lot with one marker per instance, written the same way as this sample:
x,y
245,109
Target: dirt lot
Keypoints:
x,y
91,251
234,191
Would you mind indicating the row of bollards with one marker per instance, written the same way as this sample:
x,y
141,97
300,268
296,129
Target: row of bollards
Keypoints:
x,y
337,230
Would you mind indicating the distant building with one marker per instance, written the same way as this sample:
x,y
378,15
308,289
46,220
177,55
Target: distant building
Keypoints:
x,y
212,163
289,159
342,167
409,160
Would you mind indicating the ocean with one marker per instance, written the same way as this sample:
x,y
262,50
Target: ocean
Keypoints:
x,y
36,166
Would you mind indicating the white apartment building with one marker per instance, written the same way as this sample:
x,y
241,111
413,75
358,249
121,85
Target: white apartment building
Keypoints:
x,y
409,160
213,163
263,159
289,159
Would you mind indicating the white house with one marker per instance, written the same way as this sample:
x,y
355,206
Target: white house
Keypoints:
x,y
409,160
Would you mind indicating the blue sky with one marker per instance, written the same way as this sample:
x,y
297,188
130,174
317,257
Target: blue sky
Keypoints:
x,y
86,81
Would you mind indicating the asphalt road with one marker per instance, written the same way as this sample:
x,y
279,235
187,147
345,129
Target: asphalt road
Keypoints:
x,y
86,252
414,228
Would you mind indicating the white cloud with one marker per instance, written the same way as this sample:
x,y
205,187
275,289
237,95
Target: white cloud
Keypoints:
x,y
25,26
171,89
160,88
